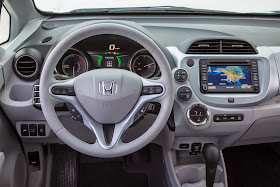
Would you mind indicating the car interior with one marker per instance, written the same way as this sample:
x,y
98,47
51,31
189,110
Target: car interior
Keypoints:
x,y
143,94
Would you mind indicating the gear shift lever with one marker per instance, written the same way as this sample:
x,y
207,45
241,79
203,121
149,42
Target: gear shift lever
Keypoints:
x,y
212,155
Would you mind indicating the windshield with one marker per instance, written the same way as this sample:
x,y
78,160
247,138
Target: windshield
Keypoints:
x,y
232,6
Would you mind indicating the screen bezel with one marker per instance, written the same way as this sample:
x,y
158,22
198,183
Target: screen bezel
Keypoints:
x,y
250,63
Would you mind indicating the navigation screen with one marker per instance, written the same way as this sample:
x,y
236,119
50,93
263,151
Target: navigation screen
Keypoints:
x,y
229,77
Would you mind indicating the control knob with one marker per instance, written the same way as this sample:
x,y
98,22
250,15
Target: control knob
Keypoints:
x,y
198,114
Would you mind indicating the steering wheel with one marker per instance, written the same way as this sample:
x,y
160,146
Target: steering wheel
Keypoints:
x,y
106,97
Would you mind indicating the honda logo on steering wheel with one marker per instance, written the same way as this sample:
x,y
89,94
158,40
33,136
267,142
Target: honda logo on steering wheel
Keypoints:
x,y
107,88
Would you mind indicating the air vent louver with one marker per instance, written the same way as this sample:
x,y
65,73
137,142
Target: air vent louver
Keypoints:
x,y
26,66
221,47
237,47
205,47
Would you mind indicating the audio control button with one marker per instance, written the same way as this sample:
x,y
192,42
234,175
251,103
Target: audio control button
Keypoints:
x,y
181,75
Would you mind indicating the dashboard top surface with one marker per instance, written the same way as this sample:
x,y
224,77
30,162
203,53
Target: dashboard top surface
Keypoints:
x,y
174,30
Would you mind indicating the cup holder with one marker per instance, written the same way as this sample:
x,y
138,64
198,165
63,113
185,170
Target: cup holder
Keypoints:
x,y
195,173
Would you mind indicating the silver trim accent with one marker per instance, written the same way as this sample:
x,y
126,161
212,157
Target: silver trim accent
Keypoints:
x,y
204,121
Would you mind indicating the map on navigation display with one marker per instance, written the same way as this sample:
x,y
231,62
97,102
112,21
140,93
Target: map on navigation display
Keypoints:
x,y
227,77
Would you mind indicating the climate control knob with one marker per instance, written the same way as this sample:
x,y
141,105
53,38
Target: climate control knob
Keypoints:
x,y
198,114
184,93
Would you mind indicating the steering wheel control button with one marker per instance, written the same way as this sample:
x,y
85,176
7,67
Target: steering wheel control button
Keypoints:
x,y
190,62
228,117
149,90
70,91
141,111
152,90
63,91
145,90
75,115
184,93
24,130
151,107
56,90
33,129
198,115
181,75
158,90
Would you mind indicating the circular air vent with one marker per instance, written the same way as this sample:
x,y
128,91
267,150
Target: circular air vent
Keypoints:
x,y
27,64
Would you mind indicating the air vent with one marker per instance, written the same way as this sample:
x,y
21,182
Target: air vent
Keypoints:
x,y
237,47
205,47
26,66
221,46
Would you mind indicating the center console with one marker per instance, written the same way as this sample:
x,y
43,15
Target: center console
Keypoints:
x,y
216,97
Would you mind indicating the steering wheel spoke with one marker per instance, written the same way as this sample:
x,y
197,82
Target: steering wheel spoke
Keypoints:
x,y
107,135
108,139
63,91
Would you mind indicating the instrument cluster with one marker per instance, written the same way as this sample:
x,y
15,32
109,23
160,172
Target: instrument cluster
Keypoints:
x,y
108,51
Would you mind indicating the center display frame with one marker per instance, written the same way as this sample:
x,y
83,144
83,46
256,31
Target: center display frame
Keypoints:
x,y
228,76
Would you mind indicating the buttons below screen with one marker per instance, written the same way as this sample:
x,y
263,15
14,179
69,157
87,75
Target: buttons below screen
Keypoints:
x,y
228,117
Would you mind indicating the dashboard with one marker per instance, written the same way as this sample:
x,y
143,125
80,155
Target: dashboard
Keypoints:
x,y
217,94
107,51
